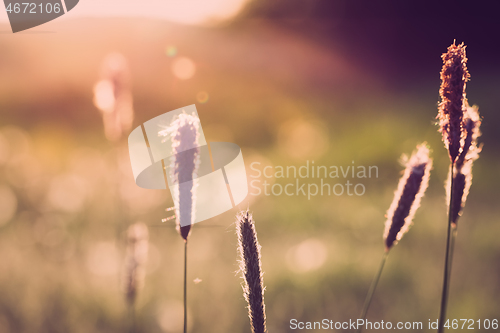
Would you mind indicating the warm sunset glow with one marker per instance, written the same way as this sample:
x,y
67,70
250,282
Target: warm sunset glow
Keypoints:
x,y
185,11
198,11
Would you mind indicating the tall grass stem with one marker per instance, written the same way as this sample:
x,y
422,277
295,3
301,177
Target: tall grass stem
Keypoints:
x,y
371,291
132,319
185,285
450,241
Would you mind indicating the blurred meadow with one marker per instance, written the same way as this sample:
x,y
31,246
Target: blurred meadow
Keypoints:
x,y
290,82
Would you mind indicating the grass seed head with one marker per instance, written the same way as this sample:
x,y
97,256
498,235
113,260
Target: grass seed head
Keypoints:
x,y
452,107
250,267
184,162
407,197
462,174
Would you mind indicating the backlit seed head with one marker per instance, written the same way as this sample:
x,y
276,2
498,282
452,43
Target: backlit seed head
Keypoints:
x,y
452,107
407,197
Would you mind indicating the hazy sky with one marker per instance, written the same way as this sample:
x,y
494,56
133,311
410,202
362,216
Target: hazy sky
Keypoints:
x,y
182,11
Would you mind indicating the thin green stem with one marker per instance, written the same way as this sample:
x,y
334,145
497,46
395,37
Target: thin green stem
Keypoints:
x,y
450,241
132,319
371,291
185,286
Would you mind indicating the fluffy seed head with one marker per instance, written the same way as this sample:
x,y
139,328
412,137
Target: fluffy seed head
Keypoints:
x,y
184,162
250,267
407,197
454,76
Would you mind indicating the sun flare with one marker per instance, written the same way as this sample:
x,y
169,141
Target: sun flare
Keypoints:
x,y
192,12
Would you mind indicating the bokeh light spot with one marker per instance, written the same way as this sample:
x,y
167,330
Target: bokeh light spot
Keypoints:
x,y
307,256
303,139
104,97
202,97
171,51
183,68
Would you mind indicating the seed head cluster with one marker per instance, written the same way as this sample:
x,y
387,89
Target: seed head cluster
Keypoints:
x,y
454,76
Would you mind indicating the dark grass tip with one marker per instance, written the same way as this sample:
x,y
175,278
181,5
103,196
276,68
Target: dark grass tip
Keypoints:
x,y
184,231
251,269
